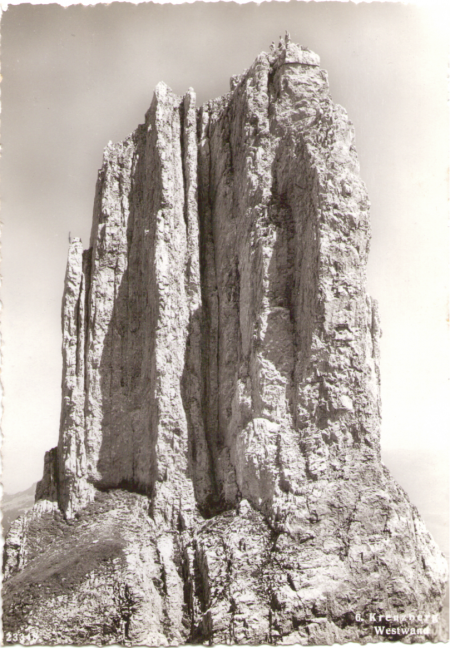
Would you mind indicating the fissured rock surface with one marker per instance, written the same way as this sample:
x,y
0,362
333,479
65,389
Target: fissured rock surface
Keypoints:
x,y
218,474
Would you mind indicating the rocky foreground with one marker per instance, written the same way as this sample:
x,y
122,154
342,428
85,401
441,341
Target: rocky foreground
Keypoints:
x,y
218,475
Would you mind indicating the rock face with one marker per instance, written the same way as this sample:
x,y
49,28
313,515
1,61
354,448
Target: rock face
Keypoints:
x,y
218,475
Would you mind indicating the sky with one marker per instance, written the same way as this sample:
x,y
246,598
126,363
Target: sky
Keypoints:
x,y
75,78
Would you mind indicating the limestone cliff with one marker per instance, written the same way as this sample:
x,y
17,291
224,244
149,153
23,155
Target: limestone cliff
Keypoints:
x,y
218,474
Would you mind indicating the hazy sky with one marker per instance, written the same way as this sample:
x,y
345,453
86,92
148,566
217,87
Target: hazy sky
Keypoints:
x,y
75,78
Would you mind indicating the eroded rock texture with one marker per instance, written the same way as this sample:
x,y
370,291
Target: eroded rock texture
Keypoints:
x,y
218,473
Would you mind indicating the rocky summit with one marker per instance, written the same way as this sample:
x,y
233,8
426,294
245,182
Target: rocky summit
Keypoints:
x,y
218,476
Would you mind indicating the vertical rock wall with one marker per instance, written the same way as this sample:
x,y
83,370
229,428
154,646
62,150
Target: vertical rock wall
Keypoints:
x,y
219,440
296,392
132,407
223,333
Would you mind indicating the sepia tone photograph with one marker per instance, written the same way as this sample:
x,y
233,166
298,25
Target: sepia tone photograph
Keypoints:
x,y
225,351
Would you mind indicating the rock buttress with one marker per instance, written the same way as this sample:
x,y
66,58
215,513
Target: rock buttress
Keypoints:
x,y
297,380
219,460
131,414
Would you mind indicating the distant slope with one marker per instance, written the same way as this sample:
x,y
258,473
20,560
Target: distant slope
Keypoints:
x,y
424,476
15,505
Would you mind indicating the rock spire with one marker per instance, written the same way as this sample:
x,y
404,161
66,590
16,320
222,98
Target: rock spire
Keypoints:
x,y
219,459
